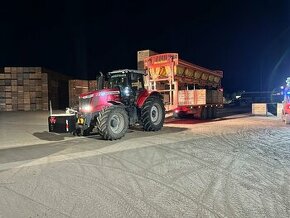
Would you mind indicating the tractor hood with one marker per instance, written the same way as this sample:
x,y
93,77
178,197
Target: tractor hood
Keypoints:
x,y
102,92
96,100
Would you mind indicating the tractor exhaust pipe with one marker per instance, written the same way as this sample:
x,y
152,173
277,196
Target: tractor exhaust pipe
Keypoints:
x,y
100,81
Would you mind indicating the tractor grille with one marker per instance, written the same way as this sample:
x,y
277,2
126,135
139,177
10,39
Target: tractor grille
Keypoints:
x,y
95,101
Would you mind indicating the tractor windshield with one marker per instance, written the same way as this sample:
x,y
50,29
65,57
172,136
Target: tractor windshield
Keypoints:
x,y
118,80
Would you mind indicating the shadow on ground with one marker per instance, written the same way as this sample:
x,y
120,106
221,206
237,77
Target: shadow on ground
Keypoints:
x,y
51,137
192,120
137,132
59,145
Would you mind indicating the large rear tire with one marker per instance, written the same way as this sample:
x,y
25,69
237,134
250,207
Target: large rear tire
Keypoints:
x,y
153,114
112,123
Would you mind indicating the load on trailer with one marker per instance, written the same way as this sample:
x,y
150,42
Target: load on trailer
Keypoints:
x,y
121,102
286,102
186,88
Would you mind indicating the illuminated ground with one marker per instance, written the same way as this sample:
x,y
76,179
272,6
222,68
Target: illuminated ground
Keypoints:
x,y
237,166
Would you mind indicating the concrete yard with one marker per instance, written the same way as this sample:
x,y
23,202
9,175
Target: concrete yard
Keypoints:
x,y
235,166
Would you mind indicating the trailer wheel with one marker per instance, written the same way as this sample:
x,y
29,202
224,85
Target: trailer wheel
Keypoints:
x,y
152,114
214,112
209,113
112,123
203,113
179,115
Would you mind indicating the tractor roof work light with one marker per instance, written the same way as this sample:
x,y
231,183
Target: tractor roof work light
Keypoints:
x,y
288,81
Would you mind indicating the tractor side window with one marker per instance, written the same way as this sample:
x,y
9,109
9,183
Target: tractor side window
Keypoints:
x,y
137,81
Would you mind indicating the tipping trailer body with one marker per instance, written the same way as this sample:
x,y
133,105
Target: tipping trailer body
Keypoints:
x,y
187,88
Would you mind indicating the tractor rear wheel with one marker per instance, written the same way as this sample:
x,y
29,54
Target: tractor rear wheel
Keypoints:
x,y
112,123
152,114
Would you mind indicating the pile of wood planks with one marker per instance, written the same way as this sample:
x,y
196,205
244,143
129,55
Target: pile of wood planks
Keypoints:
x,y
78,87
31,88
23,88
141,55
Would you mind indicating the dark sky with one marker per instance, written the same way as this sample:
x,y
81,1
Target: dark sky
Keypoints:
x,y
248,40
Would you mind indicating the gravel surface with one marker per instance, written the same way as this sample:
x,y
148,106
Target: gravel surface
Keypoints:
x,y
237,166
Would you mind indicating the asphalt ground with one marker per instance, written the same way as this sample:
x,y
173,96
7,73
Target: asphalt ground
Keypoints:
x,y
234,166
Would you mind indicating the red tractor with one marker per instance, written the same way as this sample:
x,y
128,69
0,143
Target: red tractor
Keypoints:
x,y
121,103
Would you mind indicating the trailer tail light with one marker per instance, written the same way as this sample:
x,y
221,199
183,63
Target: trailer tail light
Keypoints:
x,y
52,120
181,109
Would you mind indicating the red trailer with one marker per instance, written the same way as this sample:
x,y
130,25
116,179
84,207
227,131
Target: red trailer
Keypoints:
x,y
186,88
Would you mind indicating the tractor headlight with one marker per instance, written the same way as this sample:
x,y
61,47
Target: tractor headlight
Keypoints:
x,y
127,91
87,108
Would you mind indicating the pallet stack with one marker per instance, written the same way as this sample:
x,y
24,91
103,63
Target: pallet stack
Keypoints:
x,y
92,85
141,55
23,88
77,87
29,88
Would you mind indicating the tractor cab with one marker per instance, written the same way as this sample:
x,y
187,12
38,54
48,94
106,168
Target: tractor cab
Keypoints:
x,y
129,83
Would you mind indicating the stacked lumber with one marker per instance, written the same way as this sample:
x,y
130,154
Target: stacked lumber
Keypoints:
x,y
141,55
23,88
199,97
77,87
92,85
31,88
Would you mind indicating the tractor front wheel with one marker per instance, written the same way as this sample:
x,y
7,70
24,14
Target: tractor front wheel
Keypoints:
x,y
112,123
152,114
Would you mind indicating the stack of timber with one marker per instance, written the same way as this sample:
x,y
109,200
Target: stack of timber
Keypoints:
x,y
141,55
78,87
29,88
199,97
93,85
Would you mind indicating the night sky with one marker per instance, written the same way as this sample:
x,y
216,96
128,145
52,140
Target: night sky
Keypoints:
x,y
248,40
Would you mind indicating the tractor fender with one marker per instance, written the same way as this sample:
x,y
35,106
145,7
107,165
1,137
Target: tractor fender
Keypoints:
x,y
116,103
144,95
